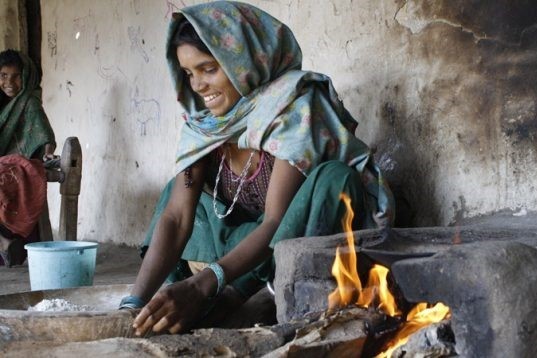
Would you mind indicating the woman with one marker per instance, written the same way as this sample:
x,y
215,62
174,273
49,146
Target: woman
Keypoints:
x,y
24,126
264,154
26,138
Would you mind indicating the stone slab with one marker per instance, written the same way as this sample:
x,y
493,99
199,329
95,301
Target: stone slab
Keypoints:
x,y
303,266
491,289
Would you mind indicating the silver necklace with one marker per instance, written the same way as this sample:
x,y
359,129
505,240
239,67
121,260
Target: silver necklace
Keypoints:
x,y
241,179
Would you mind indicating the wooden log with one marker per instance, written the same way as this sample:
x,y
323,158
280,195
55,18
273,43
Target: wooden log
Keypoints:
x,y
71,166
341,334
43,225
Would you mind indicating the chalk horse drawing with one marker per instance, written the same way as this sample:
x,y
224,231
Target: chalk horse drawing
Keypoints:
x,y
144,111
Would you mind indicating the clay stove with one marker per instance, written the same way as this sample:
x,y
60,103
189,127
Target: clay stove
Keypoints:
x,y
488,280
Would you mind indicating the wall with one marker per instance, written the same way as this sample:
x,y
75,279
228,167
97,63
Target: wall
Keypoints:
x,y
444,91
13,25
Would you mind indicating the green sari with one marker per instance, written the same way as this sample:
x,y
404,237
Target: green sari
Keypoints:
x,y
24,126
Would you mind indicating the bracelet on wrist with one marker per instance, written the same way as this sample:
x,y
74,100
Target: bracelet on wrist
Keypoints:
x,y
131,302
220,277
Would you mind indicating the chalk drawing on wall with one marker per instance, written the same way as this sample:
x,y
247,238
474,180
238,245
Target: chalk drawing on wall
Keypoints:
x,y
173,6
144,110
106,73
52,43
137,42
119,70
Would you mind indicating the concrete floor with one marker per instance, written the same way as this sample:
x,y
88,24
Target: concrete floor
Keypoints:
x,y
116,264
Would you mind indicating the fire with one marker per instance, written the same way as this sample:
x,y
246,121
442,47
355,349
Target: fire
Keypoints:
x,y
345,271
376,291
348,281
419,317
377,286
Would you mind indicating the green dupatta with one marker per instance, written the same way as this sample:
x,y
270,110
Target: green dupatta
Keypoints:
x,y
292,114
24,126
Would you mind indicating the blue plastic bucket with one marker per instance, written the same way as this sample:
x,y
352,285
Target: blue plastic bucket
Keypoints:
x,y
61,264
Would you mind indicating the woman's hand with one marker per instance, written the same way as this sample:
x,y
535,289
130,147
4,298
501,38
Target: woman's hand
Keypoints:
x,y
49,152
48,157
174,308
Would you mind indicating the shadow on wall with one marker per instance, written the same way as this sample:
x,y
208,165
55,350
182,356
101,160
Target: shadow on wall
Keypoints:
x,y
400,154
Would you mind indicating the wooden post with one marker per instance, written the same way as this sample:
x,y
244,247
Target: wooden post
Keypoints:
x,y
43,225
71,166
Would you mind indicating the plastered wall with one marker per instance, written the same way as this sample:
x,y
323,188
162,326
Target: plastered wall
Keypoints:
x,y
444,91
12,25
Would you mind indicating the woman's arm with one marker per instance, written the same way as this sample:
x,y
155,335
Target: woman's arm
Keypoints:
x,y
171,233
177,306
49,151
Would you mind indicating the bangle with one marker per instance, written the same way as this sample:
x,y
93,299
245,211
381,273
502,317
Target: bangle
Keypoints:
x,y
131,302
220,277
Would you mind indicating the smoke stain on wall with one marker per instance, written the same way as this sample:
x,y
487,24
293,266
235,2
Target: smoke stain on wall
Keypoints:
x,y
503,21
473,108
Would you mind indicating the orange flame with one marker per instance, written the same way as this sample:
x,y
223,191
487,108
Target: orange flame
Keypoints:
x,y
348,281
377,286
419,317
345,271
376,291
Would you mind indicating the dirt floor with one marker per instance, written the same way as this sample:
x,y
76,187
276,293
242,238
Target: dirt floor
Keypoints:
x,y
119,264
115,264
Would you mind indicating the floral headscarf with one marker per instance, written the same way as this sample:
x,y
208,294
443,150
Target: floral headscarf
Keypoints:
x,y
294,115
24,126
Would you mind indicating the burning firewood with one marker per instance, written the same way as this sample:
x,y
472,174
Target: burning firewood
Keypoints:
x,y
433,341
339,334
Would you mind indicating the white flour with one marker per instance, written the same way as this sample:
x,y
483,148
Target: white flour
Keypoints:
x,y
58,305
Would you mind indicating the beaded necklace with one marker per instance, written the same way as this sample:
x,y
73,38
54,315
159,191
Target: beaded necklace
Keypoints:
x,y
241,179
